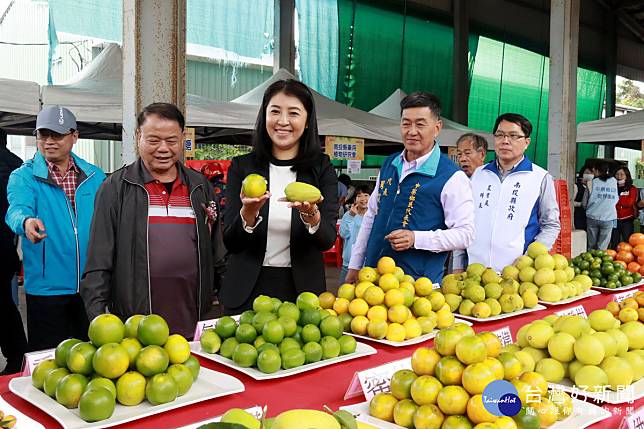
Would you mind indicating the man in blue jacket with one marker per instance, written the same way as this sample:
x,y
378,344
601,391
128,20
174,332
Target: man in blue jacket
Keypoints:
x,y
51,203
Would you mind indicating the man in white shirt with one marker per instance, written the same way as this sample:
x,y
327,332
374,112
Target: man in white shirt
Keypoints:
x,y
515,200
422,206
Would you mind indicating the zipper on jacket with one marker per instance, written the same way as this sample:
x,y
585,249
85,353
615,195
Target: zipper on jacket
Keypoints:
x,y
147,240
44,243
198,252
74,225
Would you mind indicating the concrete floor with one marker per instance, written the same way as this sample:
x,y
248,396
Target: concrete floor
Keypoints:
x,y
332,283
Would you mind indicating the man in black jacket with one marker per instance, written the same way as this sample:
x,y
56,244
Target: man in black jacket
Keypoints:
x,y
155,243
13,342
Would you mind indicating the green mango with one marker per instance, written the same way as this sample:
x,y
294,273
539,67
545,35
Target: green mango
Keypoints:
x,y
301,192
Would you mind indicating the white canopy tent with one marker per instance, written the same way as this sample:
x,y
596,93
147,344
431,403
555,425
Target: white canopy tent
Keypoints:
x,y
19,105
390,108
627,129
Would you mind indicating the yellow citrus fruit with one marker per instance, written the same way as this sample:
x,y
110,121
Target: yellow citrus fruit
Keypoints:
x,y
471,349
130,388
453,400
511,365
401,382
394,297
398,313
428,416
427,323
424,360
347,291
331,311
399,273
446,340
536,381
388,282
374,295
377,329
546,410
106,328
492,343
358,307
382,406
449,370
404,412
359,325
424,390
444,318
408,286
327,299
523,390
505,422
361,288
377,312
395,332
367,274
476,411
111,360
178,348
496,367
423,286
412,329
476,377
341,305
386,265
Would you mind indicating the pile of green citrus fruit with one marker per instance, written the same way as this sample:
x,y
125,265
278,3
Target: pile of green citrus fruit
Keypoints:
x,y
279,335
388,304
445,385
603,270
123,362
596,353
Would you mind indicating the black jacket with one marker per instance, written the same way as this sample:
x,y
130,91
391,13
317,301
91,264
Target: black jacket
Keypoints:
x,y
116,273
8,162
247,250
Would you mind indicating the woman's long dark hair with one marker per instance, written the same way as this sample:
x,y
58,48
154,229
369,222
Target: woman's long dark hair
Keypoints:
x,y
603,168
309,150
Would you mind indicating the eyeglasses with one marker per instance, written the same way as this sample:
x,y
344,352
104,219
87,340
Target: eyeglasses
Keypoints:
x,y
44,135
512,136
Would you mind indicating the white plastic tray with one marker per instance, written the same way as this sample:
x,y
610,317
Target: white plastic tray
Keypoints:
x,y
22,420
573,299
619,289
608,396
361,351
209,385
502,315
409,342
583,415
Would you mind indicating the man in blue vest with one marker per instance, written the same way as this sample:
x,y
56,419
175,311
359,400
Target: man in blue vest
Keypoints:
x,y
51,203
422,205
514,199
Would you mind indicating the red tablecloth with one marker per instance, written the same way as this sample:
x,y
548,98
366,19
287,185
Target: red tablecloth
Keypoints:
x,y
324,386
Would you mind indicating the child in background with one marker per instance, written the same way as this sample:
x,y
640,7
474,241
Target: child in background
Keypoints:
x,y
350,225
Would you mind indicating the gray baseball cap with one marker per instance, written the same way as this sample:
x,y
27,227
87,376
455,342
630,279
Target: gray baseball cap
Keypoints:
x,y
56,118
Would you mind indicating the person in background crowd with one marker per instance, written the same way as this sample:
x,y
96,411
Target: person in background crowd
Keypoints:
x,y
601,209
275,248
581,193
422,206
344,186
215,175
13,342
350,225
626,206
471,150
51,203
515,200
156,243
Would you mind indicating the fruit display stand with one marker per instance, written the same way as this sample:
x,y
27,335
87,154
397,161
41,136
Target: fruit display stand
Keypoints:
x,y
323,386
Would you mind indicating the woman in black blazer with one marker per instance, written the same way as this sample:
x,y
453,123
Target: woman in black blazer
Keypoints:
x,y
275,247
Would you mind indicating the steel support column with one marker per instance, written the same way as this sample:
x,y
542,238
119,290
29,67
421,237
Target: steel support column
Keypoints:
x,y
154,60
284,36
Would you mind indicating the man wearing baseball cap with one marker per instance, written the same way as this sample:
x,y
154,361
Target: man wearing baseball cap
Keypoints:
x,y
51,203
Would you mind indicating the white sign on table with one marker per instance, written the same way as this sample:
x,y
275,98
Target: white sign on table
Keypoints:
x,y
619,297
573,311
505,335
375,380
634,420
32,359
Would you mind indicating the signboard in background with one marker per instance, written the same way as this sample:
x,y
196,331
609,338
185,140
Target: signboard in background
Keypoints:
x,y
189,143
344,147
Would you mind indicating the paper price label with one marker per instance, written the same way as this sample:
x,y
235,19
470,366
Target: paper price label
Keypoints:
x,y
32,359
202,325
505,335
375,380
572,311
634,420
619,297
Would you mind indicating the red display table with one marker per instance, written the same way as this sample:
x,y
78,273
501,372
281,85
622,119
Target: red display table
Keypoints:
x,y
324,386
